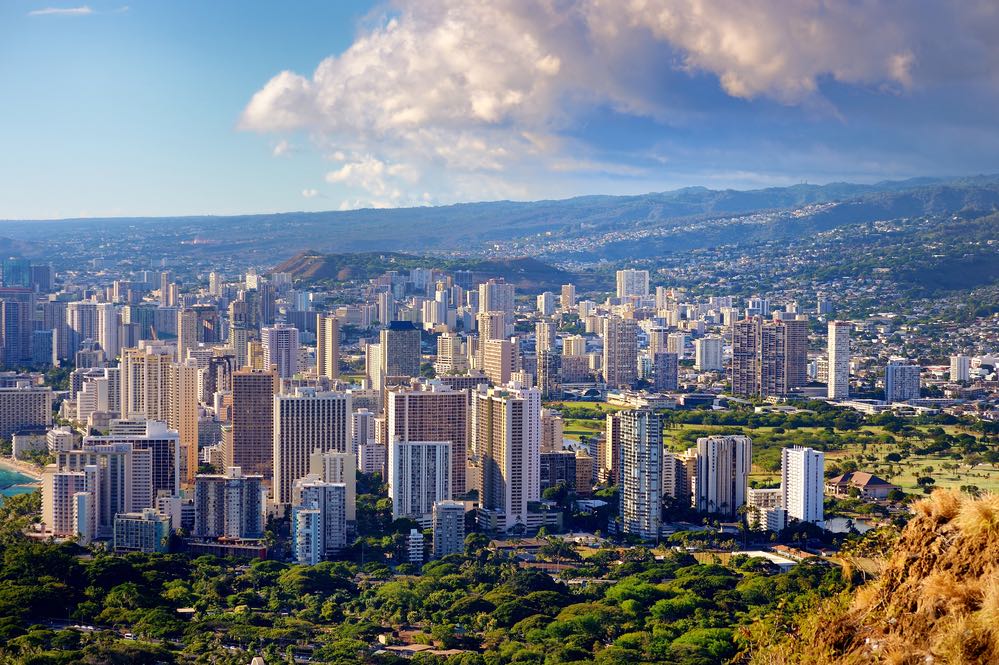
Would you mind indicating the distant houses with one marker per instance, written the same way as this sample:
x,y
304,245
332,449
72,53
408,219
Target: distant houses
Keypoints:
x,y
869,485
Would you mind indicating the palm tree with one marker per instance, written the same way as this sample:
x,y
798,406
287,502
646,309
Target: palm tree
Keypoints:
x,y
558,549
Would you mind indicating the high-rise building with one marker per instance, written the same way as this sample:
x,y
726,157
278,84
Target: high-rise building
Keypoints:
x,y
432,412
306,422
319,521
400,349
677,343
197,324
500,359
17,308
228,505
658,336
152,435
960,368
574,345
567,299
620,359
545,335
362,428
154,387
506,440
803,484
497,296
419,475
146,531
708,354
679,470
118,478
722,476
765,510
327,346
641,473
549,374
452,355
25,406
555,467
281,349
769,357
665,368
632,283
901,381
552,430
838,384
58,489
546,303
449,528
248,442
335,467
609,454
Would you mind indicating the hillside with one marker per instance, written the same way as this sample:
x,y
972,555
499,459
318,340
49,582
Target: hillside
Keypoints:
x,y
936,601
529,275
585,228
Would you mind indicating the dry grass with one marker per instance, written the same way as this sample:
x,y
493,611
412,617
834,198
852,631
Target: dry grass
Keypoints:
x,y
936,602
980,517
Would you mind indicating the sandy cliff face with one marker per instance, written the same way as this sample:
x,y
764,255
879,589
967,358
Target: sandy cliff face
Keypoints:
x,y
936,601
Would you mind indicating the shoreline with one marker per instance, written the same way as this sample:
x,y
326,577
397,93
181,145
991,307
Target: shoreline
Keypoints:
x,y
23,468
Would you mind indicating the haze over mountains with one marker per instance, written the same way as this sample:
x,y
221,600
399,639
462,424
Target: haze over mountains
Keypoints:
x,y
583,229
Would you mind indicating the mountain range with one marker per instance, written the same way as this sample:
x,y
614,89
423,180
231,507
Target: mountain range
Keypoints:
x,y
588,228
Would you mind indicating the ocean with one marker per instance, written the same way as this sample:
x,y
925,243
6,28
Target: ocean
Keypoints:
x,y
10,482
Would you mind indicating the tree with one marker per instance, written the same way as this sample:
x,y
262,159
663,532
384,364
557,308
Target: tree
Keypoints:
x,y
557,550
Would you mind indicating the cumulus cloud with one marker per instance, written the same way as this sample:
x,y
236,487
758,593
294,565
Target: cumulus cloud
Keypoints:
x,y
472,98
310,193
62,11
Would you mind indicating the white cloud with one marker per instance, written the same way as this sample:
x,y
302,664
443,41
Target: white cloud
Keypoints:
x,y
62,11
473,98
310,193
281,148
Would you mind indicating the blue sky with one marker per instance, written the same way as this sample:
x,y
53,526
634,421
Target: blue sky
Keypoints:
x,y
171,108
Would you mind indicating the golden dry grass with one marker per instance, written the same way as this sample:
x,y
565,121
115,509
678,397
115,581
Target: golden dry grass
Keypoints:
x,y
937,600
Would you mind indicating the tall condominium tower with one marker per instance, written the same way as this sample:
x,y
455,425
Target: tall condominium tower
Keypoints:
x,y
400,349
620,365
506,438
722,476
545,335
306,422
319,521
419,475
500,359
449,528
838,386
228,505
708,354
641,473
452,355
665,369
496,296
960,368
281,349
327,346
769,357
567,300
901,381
803,483
432,412
248,442
548,377
632,283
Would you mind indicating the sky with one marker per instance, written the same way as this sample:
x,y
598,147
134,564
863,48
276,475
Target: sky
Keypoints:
x,y
180,107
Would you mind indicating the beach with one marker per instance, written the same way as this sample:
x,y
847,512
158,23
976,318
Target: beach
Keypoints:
x,y
23,468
